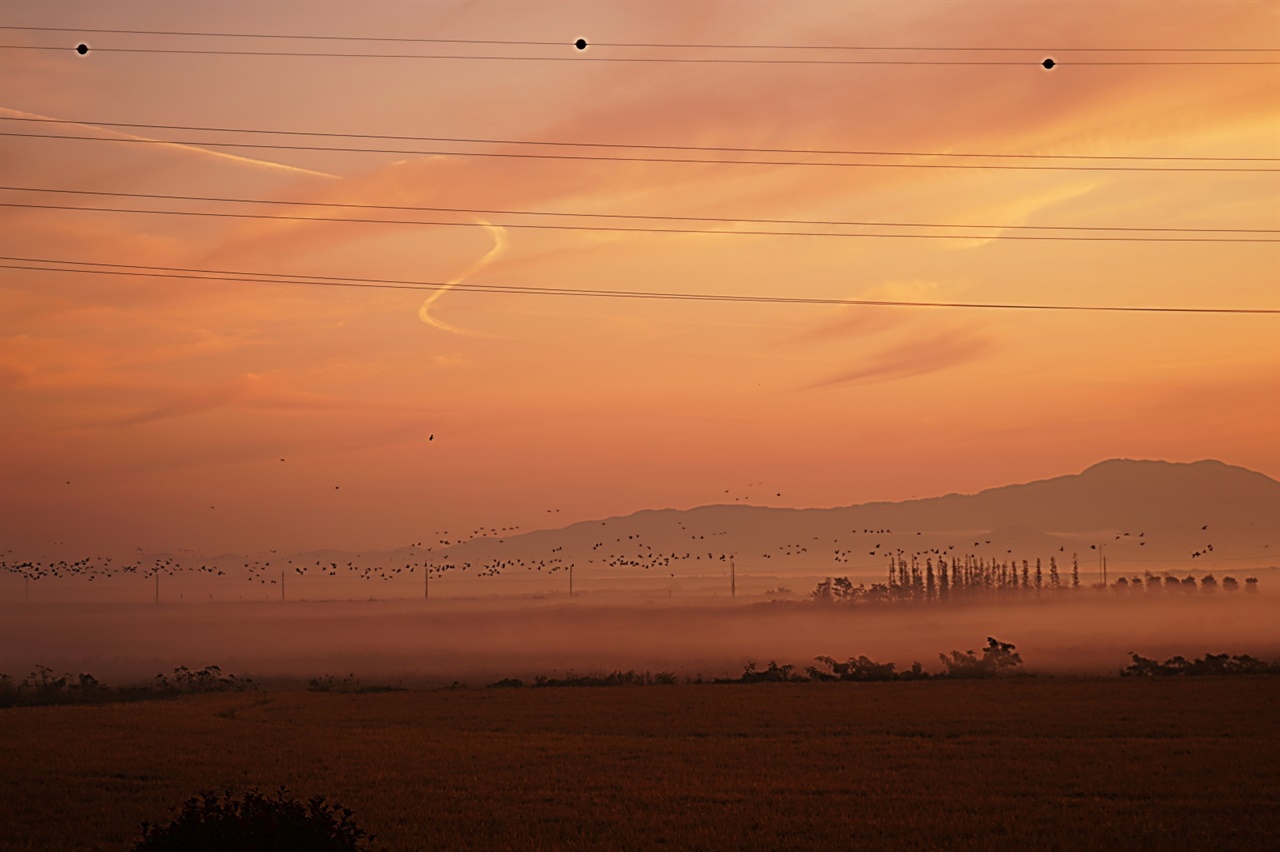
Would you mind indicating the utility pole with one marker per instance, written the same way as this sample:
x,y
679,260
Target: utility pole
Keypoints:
x,y
733,579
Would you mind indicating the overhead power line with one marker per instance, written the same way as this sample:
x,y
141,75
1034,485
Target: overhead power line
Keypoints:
x,y
192,274
623,229
638,146
627,216
633,159
420,40
590,58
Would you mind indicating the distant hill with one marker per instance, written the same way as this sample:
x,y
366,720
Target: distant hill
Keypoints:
x,y
1145,515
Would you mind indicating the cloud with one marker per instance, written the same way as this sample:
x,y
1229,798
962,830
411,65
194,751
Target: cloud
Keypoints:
x,y
913,358
499,246
194,149
217,397
844,322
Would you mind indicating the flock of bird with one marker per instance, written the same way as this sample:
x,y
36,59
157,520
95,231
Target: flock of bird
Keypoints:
x,y
632,552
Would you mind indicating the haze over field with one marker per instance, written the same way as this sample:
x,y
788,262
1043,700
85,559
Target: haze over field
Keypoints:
x,y
501,608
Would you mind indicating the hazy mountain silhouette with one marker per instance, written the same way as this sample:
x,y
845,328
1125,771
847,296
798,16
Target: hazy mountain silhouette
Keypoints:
x,y
1168,511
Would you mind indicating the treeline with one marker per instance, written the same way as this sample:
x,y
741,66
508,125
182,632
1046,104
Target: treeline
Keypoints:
x,y
350,685
1208,665
40,687
997,658
977,578
618,678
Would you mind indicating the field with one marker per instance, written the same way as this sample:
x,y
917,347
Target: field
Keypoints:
x,y
1028,762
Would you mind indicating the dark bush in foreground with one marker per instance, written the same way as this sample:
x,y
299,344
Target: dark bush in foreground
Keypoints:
x,y
1208,665
211,822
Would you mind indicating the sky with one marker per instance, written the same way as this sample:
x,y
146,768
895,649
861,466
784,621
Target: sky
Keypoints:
x,y
158,412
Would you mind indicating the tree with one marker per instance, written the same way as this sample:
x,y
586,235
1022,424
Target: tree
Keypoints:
x,y
1039,576
1229,584
1075,572
1251,585
1208,584
1054,580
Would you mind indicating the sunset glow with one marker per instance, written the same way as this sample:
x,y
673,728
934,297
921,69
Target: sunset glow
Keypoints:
x,y
165,413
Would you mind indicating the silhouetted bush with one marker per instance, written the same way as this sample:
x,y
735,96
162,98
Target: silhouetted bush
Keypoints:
x,y
40,687
997,657
349,684
507,683
773,674
627,678
1208,665
857,668
212,822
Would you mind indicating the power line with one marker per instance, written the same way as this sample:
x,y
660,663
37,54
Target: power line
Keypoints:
x,y
648,147
737,220
632,159
419,40
184,273
622,229
584,58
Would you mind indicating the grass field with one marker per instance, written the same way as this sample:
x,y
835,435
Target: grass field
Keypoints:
x,y
1023,763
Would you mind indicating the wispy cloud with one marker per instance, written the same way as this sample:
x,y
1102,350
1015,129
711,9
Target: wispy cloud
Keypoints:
x,y
848,321
216,397
193,149
913,358
499,246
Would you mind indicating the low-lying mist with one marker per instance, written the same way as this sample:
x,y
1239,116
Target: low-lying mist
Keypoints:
x,y
477,642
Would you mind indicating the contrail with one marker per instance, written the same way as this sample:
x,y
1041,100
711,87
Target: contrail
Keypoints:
x,y
499,246
195,149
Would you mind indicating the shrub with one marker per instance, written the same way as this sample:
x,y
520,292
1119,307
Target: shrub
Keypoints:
x,y
997,657
1208,665
212,822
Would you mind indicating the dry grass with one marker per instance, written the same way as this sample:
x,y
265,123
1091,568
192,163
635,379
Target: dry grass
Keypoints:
x,y
1023,763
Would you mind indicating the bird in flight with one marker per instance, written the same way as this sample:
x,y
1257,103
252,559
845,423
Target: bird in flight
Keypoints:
x,y
431,437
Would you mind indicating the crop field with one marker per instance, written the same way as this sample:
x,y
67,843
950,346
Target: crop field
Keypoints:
x,y
1018,763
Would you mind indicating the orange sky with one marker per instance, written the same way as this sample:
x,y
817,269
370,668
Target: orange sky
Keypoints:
x,y
158,399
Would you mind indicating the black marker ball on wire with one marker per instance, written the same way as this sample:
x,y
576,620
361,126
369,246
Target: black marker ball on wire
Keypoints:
x,y
581,44
82,49
1048,64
